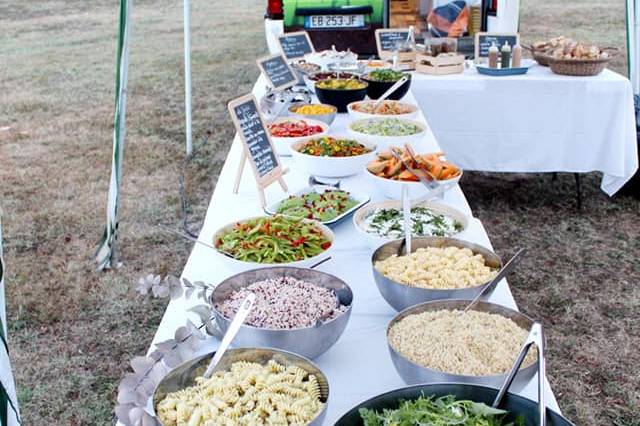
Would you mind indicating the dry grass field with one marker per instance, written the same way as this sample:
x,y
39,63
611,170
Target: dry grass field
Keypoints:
x,y
72,330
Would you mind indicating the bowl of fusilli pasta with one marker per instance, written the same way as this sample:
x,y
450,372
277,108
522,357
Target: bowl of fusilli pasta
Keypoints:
x,y
250,386
300,310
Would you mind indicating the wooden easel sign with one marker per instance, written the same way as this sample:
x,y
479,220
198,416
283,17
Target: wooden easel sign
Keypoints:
x,y
295,45
387,39
257,146
279,74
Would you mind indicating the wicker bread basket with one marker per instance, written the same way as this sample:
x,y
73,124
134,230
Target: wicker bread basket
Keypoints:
x,y
581,67
540,56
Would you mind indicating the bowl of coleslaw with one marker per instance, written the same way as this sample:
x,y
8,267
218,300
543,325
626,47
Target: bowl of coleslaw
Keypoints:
x,y
388,131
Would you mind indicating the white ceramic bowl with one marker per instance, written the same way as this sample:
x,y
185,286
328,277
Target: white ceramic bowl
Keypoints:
x,y
241,265
393,188
375,241
384,142
282,145
357,115
332,166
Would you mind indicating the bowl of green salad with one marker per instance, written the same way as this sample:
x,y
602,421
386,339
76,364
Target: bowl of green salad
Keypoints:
x,y
381,80
273,241
383,221
326,204
388,131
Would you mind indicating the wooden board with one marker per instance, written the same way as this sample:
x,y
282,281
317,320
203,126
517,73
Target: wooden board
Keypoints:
x,y
387,38
483,42
295,45
257,145
277,71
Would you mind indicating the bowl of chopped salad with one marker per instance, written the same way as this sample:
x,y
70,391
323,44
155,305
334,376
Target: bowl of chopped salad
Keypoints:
x,y
288,130
332,156
273,241
383,221
381,80
368,109
388,131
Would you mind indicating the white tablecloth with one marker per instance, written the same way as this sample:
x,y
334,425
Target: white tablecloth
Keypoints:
x,y
358,366
536,122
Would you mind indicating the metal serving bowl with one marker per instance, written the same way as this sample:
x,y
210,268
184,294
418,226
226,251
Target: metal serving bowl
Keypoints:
x,y
401,296
184,375
413,373
514,404
310,342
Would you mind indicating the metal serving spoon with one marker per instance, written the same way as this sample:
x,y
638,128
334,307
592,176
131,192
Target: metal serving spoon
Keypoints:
x,y
233,329
506,269
390,91
535,337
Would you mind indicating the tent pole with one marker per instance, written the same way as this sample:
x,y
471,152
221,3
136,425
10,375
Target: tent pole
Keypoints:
x,y
187,76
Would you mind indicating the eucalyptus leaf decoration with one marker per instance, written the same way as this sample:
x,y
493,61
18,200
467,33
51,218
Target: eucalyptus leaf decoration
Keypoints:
x,y
137,386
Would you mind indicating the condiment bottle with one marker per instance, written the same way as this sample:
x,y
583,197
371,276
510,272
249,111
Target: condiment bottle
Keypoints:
x,y
517,56
505,57
493,56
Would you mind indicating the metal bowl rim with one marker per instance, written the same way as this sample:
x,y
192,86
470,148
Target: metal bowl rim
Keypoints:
x,y
406,312
346,312
466,243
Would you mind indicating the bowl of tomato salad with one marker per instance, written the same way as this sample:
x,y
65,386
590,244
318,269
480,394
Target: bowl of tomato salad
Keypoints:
x,y
286,131
273,241
332,156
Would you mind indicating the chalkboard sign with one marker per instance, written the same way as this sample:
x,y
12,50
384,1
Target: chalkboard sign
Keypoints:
x,y
388,39
258,148
485,40
278,73
295,45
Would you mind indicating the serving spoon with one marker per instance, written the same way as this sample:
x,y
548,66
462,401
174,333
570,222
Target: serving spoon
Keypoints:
x,y
390,91
234,327
506,269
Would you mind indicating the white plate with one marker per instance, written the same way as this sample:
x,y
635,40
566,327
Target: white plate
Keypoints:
x,y
375,241
283,144
362,199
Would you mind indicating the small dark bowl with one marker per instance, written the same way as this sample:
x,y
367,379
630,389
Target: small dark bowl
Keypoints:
x,y
377,88
340,98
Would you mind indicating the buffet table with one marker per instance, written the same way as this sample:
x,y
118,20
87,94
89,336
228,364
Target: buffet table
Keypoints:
x,y
358,366
536,122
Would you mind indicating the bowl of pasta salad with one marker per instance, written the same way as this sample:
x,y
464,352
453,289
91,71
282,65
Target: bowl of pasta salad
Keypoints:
x,y
235,393
437,268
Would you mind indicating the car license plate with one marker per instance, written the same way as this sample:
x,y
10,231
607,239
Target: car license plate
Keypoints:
x,y
334,21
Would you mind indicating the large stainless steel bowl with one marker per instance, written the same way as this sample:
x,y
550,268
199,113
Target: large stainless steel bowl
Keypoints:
x,y
401,296
184,375
514,404
310,342
413,373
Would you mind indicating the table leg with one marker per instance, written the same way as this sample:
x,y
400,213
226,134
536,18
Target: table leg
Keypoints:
x,y
578,190
554,176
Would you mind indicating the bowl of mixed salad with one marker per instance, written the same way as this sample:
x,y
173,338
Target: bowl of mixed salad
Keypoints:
x,y
388,131
340,92
273,241
288,130
368,109
332,156
326,204
383,221
381,80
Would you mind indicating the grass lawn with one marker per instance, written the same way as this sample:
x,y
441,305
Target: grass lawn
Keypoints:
x,y
72,330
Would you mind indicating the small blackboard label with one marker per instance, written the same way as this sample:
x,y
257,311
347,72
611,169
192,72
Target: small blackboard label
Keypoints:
x,y
295,45
388,39
485,40
252,131
278,72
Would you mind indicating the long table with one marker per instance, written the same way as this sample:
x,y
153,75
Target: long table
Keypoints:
x,y
536,122
358,366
